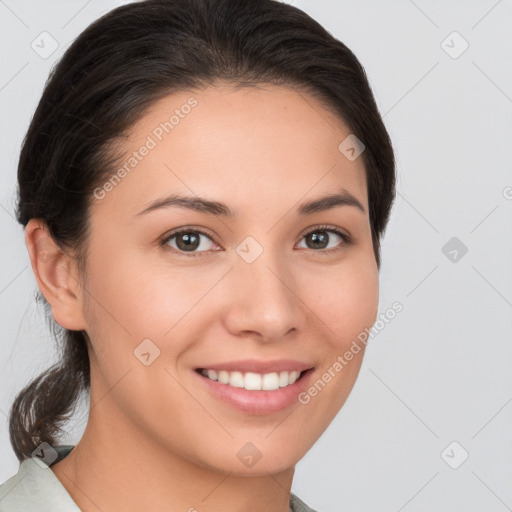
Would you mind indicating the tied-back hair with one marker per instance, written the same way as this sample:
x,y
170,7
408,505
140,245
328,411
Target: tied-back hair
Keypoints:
x,y
118,67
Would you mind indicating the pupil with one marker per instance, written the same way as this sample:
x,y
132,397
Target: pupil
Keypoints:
x,y
315,238
191,241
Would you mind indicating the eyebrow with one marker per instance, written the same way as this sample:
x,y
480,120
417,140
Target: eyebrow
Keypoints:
x,y
342,198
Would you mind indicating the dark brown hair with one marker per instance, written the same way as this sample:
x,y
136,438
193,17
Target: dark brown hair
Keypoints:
x,y
106,80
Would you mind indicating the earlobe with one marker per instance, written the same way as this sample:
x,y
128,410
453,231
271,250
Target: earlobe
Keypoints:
x,y
56,276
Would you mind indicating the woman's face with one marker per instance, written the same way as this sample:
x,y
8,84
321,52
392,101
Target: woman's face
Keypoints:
x,y
268,290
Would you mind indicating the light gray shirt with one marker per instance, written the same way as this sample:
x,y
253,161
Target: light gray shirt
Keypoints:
x,y
35,488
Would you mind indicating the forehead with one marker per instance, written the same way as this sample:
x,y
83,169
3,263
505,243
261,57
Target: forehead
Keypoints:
x,y
250,147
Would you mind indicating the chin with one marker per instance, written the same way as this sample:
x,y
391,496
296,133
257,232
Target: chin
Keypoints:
x,y
256,458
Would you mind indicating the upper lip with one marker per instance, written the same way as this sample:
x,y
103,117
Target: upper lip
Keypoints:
x,y
259,366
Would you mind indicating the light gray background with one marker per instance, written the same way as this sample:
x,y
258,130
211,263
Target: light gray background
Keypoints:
x,y
440,371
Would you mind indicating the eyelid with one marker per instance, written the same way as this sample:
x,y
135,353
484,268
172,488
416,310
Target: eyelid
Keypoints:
x,y
343,234
327,227
186,229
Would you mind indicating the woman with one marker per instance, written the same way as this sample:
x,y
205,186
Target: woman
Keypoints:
x,y
203,187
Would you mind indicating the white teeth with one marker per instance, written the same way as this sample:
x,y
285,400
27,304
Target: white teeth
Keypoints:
x,y
236,379
223,377
253,381
294,376
270,381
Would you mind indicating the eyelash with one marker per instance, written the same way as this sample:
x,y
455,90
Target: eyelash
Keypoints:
x,y
347,240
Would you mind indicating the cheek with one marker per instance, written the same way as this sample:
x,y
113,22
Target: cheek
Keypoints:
x,y
346,302
345,298
136,299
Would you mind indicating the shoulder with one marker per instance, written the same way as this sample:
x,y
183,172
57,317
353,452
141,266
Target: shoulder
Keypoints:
x,y
297,505
35,488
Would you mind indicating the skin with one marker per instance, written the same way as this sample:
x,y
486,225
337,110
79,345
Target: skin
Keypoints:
x,y
155,440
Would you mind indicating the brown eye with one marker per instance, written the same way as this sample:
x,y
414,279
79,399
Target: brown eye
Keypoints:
x,y
188,241
320,238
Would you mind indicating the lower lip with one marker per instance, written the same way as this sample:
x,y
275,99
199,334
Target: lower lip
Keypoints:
x,y
258,402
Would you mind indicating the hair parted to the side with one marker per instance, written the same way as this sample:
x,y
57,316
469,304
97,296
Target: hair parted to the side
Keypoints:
x,y
106,80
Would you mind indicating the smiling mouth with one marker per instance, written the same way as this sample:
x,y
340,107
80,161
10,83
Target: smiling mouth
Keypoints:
x,y
252,381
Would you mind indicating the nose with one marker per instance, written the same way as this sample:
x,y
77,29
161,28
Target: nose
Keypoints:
x,y
263,300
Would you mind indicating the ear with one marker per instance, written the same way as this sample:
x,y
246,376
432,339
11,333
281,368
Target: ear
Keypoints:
x,y
56,275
